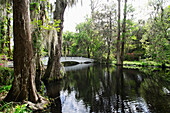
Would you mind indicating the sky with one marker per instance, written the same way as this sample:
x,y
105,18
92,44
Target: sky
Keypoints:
x,y
77,13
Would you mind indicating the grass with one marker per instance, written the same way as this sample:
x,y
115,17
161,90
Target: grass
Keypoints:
x,y
12,107
141,63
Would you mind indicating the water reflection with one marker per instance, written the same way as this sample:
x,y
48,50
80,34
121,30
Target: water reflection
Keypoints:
x,y
77,67
53,91
110,89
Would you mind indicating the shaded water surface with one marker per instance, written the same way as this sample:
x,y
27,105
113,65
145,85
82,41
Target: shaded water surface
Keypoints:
x,y
111,90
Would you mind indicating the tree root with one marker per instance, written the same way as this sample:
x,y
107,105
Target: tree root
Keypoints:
x,y
37,106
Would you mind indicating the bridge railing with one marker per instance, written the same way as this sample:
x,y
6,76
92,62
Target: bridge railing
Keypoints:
x,y
76,58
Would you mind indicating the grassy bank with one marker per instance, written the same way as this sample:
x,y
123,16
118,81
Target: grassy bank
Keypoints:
x,y
142,64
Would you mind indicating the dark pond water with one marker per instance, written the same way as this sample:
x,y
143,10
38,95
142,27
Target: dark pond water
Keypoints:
x,y
111,90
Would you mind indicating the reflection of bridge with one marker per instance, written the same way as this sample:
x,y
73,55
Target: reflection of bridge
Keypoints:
x,y
77,67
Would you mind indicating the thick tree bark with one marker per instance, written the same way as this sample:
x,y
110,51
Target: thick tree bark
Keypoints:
x,y
53,71
37,48
118,37
124,32
59,15
53,67
23,86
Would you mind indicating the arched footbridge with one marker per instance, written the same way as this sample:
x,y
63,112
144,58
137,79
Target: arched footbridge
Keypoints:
x,y
76,59
80,60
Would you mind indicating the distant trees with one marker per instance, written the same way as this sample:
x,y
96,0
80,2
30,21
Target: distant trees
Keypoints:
x,y
84,35
156,38
135,40
5,27
121,42
104,23
9,28
101,31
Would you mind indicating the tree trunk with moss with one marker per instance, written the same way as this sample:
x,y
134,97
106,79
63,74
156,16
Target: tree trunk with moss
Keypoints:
x,y
53,68
37,39
54,65
23,86
59,15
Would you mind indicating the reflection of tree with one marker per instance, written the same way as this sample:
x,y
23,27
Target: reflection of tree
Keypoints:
x,y
53,91
133,80
101,88
106,89
152,90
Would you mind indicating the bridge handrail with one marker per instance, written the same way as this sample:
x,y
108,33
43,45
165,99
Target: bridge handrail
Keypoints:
x,y
77,59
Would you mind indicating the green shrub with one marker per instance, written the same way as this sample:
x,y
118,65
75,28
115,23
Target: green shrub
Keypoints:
x,y
22,109
5,88
129,56
6,75
13,108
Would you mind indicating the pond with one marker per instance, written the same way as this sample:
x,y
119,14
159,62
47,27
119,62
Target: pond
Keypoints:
x,y
98,88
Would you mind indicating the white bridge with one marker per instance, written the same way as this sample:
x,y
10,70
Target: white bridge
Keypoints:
x,y
80,60
76,59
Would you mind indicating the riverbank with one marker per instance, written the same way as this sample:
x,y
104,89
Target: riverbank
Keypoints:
x,y
142,64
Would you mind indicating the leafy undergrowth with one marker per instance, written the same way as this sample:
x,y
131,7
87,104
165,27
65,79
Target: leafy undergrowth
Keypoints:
x,y
5,88
6,78
12,107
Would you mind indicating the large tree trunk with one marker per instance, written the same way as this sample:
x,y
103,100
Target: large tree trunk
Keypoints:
x,y
53,67
124,32
23,86
37,48
118,37
59,15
